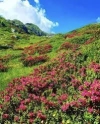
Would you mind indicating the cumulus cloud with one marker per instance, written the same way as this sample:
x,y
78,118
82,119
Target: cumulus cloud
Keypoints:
x,y
98,19
25,12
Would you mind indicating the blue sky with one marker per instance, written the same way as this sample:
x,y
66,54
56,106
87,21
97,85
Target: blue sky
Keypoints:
x,y
71,14
59,16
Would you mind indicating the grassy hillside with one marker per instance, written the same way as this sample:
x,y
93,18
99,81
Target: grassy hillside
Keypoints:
x,y
18,27
50,80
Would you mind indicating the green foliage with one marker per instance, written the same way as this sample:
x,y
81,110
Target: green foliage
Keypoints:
x,y
80,39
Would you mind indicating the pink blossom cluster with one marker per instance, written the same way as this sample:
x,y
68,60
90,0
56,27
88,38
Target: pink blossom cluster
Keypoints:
x,y
57,88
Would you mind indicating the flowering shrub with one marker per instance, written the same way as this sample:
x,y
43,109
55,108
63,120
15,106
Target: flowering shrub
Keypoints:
x,y
35,54
91,93
44,48
5,58
73,34
89,41
29,50
41,49
3,68
58,92
32,60
3,62
95,66
68,45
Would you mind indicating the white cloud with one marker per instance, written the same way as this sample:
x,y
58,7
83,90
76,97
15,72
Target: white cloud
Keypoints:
x,y
25,12
36,1
98,19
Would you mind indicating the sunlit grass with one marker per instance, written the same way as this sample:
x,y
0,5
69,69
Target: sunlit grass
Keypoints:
x,y
15,72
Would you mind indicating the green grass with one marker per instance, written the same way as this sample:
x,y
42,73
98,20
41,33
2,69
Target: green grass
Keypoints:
x,y
15,66
13,73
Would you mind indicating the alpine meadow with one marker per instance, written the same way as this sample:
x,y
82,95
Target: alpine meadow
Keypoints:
x,y
49,78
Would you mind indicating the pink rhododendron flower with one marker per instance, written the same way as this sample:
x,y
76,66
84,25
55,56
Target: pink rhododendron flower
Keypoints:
x,y
41,116
90,110
65,107
16,118
22,107
31,114
5,116
63,97
7,98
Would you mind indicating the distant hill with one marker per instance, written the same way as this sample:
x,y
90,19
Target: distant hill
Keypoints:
x,y
33,29
19,27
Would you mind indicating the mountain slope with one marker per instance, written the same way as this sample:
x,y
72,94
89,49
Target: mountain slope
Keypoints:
x,y
51,80
33,29
19,27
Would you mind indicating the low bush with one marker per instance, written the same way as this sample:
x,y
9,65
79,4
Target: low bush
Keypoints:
x,y
32,60
3,68
41,49
68,45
